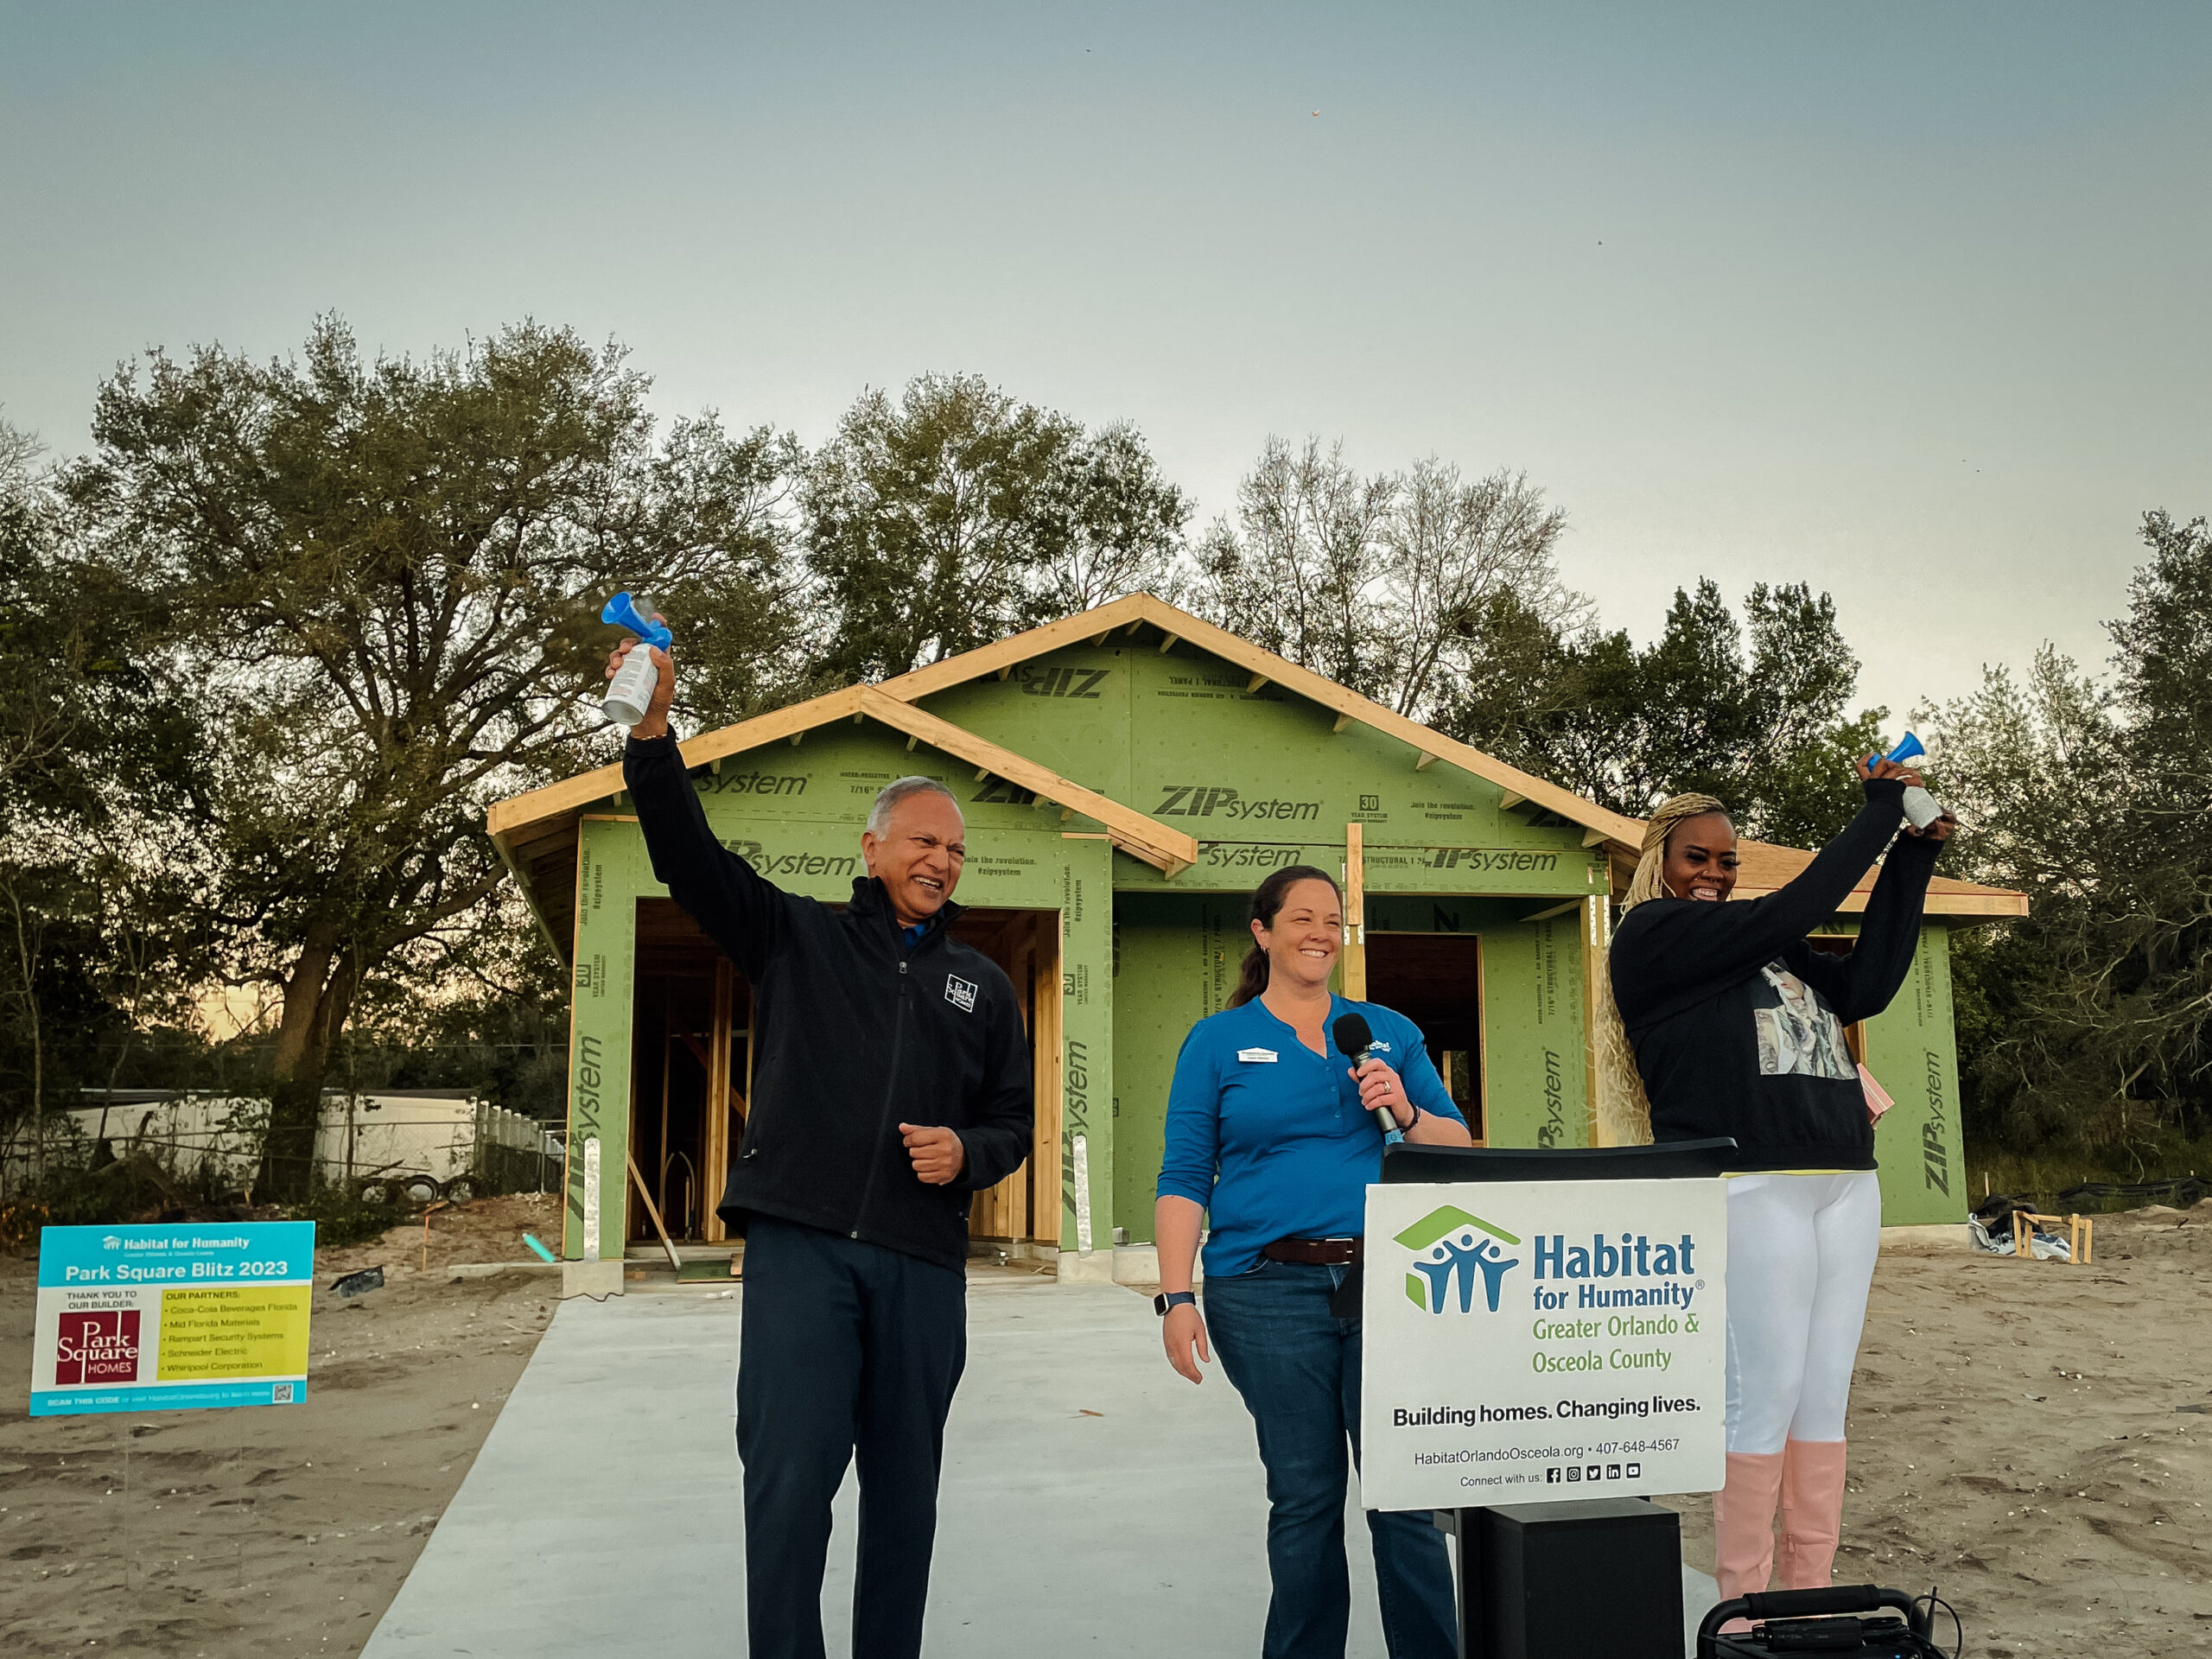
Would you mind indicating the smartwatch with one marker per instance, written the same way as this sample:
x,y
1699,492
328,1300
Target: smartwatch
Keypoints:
x,y
1167,1299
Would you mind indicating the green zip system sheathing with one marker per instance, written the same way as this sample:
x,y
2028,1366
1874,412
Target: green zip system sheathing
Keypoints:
x,y
1261,777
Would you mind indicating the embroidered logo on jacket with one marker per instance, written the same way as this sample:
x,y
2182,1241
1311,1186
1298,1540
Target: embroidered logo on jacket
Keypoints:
x,y
1264,1056
960,993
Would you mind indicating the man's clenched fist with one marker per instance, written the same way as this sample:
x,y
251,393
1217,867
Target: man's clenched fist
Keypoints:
x,y
937,1154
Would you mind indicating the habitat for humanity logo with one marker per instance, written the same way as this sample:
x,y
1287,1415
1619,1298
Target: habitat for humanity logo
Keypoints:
x,y
1445,1248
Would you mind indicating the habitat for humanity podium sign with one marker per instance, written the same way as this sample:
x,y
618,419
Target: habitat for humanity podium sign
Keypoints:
x,y
151,1318
1531,1341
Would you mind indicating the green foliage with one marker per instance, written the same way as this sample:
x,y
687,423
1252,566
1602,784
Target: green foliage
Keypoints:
x,y
268,652
2089,1028
958,515
1381,583
381,579
1750,712
85,1193
343,1216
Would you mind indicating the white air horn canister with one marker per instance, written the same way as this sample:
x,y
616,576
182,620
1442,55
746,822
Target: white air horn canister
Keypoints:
x,y
630,691
1921,808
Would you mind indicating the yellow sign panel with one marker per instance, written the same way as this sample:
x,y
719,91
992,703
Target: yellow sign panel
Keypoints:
x,y
245,1330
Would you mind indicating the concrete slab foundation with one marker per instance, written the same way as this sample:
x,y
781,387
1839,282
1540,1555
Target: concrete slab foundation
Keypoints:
x,y
1093,1502
591,1279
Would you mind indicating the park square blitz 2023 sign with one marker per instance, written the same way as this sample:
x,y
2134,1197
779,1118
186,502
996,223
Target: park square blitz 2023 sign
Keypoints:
x,y
171,1316
1528,1341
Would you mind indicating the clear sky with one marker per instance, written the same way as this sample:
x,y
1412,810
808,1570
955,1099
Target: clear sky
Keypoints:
x,y
1908,301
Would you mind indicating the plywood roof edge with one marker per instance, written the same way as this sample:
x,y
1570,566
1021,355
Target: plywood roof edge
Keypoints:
x,y
1316,687
1990,902
572,794
920,682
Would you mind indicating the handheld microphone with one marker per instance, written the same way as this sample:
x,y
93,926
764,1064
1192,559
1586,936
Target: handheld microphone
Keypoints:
x,y
1353,1040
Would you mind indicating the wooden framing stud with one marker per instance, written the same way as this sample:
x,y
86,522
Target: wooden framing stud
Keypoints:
x,y
1102,636
1424,762
1167,643
798,738
1352,964
1508,800
1134,626
909,744
1594,837
1342,720
1258,680
857,719
2080,1241
1005,669
981,772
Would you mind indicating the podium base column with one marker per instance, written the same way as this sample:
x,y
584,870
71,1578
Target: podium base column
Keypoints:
x,y
1569,1580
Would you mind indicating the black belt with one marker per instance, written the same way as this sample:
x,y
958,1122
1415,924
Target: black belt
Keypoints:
x,y
1314,1252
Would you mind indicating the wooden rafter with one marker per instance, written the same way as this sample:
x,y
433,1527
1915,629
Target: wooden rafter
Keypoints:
x,y
1142,837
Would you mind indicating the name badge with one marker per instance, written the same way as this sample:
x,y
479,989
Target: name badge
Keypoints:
x,y
1265,1056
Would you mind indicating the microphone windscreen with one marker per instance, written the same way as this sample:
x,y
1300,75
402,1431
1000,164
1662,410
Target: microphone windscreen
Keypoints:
x,y
1353,1038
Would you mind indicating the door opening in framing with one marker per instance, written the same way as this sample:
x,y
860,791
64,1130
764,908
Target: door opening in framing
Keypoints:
x,y
1436,981
691,1072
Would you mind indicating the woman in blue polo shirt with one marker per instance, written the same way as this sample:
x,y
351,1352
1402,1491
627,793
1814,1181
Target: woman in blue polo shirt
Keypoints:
x,y
1270,1130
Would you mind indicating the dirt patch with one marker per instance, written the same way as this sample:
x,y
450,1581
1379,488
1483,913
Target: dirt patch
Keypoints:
x,y
278,1530
2015,1439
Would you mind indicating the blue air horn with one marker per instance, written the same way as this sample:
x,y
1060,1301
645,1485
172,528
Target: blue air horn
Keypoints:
x,y
1921,808
631,692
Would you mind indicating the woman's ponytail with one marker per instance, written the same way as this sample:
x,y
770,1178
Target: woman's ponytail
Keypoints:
x,y
1624,1109
1267,902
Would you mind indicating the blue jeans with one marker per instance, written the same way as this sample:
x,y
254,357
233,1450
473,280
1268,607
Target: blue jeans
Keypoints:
x,y
1297,1368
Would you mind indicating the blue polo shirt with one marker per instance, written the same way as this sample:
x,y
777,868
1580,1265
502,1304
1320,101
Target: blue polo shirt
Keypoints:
x,y
1271,1138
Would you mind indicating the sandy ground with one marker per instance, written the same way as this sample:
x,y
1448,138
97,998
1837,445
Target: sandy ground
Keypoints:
x,y
2019,1440
2032,1440
274,1530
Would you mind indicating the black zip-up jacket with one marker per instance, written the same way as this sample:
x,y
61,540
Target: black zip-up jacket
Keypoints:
x,y
854,1032
1738,1022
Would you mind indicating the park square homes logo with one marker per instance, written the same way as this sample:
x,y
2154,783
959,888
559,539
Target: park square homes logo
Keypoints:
x,y
100,1347
1455,1251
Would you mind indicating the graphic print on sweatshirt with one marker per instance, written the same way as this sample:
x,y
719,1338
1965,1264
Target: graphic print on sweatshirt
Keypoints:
x,y
1800,1036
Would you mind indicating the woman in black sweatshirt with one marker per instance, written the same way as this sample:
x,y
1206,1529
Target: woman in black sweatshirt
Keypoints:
x,y
1731,1023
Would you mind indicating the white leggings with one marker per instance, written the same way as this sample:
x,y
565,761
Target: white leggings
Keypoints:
x,y
1801,1258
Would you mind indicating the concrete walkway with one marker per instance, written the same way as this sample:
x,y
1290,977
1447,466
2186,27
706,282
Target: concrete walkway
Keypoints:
x,y
602,1514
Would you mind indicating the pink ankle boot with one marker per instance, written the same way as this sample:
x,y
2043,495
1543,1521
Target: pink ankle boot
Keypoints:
x,y
1812,1513
1743,1524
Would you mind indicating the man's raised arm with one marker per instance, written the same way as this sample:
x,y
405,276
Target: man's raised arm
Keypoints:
x,y
740,911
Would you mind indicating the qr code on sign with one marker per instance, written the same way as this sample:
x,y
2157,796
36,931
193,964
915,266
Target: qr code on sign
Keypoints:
x,y
280,1393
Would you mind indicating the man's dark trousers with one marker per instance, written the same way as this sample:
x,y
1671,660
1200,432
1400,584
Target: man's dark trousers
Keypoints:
x,y
846,1350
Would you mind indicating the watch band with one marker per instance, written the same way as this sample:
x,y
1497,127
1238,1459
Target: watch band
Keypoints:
x,y
1169,1298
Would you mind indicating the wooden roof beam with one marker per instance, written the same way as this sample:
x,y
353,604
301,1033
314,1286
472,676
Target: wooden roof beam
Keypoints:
x,y
1167,849
603,781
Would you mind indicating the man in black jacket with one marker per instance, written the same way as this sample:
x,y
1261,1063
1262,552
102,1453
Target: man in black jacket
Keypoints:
x,y
891,1080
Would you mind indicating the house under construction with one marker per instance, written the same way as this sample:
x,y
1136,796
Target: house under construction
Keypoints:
x,y
1128,775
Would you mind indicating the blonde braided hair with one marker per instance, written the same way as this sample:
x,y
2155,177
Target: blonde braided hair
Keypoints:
x,y
1624,1109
